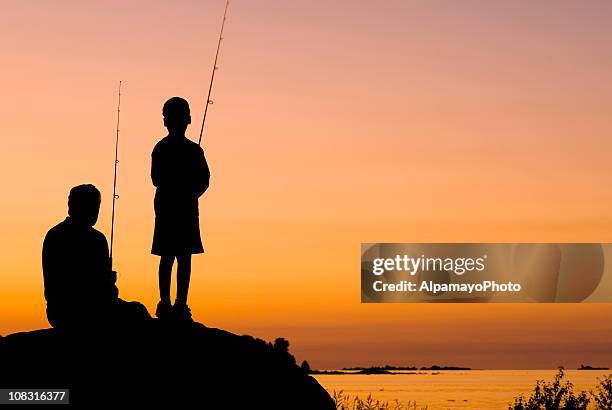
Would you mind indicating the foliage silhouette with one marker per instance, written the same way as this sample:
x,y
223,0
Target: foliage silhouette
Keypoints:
x,y
343,401
559,395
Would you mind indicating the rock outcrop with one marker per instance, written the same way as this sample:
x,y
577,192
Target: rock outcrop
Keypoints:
x,y
161,363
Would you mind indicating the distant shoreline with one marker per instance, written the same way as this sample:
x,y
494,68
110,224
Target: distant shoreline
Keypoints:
x,y
418,370
587,367
387,370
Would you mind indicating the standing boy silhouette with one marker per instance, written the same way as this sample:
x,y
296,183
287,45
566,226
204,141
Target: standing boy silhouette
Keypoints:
x,y
181,175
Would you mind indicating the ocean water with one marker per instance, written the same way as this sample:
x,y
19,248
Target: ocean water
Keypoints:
x,y
458,389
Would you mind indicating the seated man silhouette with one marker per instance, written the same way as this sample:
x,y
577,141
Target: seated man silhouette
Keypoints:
x,y
79,284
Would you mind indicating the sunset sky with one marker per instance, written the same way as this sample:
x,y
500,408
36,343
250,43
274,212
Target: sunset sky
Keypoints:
x,y
334,123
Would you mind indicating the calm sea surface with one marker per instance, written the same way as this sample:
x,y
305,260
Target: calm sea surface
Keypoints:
x,y
473,389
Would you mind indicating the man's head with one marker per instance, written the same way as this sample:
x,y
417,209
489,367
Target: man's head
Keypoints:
x,y
176,115
84,204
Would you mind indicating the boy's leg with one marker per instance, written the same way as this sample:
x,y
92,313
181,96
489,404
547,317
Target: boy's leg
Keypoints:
x,y
183,275
165,274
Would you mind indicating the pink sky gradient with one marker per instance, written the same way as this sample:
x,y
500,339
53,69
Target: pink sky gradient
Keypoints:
x,y
334,123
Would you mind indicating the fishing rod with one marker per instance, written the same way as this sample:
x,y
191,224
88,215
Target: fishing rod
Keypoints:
x,y
115,196
215,68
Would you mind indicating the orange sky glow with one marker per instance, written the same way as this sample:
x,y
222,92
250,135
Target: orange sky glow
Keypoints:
x,y
334,123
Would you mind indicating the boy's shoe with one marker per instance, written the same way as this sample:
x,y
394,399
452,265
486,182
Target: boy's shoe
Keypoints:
x,y
182,313
164,310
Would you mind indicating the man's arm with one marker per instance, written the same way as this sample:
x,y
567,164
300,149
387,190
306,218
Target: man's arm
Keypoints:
x,y
55,290
109,277
50,268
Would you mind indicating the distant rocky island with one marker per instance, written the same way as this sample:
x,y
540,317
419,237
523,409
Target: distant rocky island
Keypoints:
x,y
587,367
383,369
395,368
